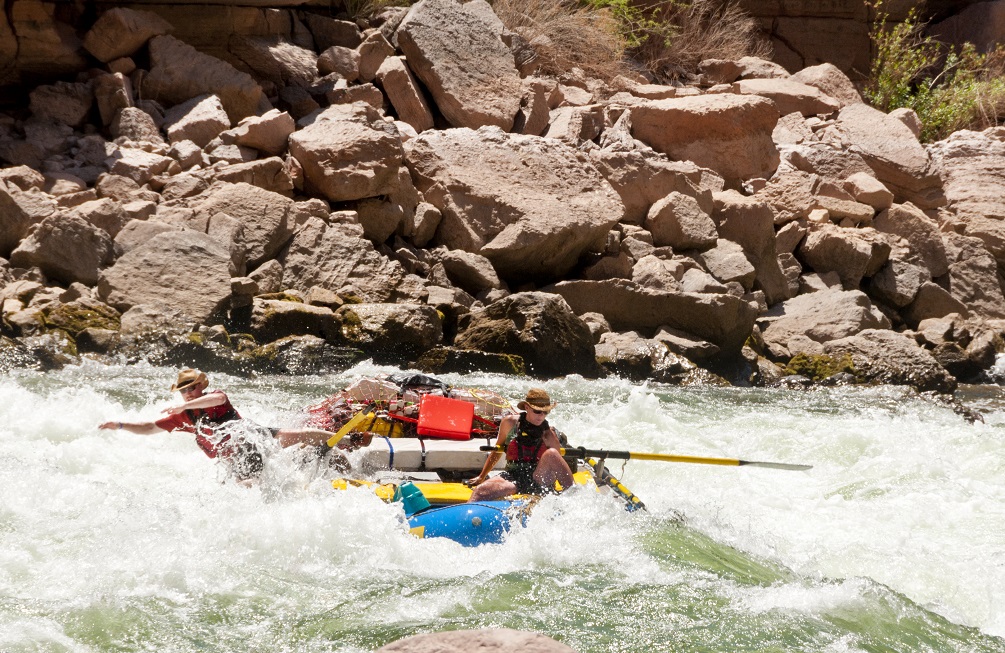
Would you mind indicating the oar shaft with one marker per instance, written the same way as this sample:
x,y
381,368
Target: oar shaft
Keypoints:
x,y
583,452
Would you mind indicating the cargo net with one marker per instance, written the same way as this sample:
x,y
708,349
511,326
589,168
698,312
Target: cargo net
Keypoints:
x,y
394,402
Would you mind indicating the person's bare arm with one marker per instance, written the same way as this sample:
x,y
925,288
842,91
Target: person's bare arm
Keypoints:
x,y
505,426
205,401
139,428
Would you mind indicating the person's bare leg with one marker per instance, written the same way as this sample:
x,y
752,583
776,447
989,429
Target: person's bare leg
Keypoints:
x,y
493,488
552,467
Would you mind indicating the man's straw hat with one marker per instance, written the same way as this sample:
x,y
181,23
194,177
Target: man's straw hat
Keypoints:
x,y
538,399
189,377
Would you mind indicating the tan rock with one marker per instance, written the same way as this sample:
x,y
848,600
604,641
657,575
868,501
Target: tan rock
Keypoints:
x,y
112,92
137,232
199,120
372,52
404,94
643,178
272,319
186,270
340,60
120,32
897,283
139,165
932,301
831,81
330,32
728,133
678,221
749,222
973,165
472,86
135,125
888,357
727,262
789,96
852,253
265,216
867,189
791,130
973,276
790,195
534,114
538,326
337,255
63,102
528,204
275,60
921,233
268,133
66,249
45,46
347,154
721,319
757,68
894,153
179,73
821,316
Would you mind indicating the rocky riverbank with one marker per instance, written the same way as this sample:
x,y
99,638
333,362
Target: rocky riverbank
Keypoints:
x,y
412,192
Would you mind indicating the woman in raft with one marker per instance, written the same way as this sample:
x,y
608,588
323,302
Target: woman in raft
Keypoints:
x,y
534,463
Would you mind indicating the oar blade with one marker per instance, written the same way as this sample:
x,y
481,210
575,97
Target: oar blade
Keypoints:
x,y
786,466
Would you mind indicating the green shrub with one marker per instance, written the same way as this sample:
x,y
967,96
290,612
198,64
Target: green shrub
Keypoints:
x,y
950,89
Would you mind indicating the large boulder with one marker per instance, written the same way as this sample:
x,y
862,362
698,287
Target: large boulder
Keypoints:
x,y
642,178
179,72
892,150
973,166
831,81
531,205
199,120
820,316
749,222
721,319
539,327
405,94
389,332
882,356
272,319
348,152
973,276
63,102
730,134
186,270
119,32
275,60
66,248
457,51
337,256
789,96
853,253
14,219
680,222
921,233
267,218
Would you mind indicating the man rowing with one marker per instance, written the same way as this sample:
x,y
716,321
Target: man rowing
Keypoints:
x,y
534,462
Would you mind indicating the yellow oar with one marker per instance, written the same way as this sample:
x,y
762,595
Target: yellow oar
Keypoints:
x,y
582,452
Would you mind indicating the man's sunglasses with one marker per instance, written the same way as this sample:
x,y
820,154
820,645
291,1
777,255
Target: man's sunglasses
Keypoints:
x,y
537,412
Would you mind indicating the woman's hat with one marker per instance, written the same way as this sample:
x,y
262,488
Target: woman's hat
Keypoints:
x,y
538,399
189,377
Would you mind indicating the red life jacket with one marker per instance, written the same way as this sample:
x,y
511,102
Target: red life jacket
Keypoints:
x,y
200,421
